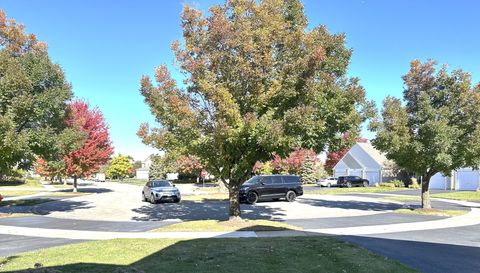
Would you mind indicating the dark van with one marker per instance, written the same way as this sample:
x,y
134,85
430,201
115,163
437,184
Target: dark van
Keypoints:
x,y
271,187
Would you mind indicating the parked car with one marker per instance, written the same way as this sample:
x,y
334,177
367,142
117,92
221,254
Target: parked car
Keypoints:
x,y
99,177
352,181
271,187
160,190
327,182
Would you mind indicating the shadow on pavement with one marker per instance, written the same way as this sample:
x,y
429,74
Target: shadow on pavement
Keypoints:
x,y
61,205
202,210
423,256
279,254
358,205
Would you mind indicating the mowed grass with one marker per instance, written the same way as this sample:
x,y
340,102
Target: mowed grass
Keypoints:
x,y
206,197
4,215
24,202
66,194
27,183
461,195
289,254
436,212
353,190
402,198
17,193
215,225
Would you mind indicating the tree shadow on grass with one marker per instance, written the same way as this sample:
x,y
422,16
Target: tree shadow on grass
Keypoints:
x,y
280,254
201,210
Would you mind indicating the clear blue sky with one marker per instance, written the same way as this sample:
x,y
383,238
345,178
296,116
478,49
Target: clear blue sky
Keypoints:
x,y
105,46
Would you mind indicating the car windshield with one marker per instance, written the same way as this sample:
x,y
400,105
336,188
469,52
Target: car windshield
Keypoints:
x,y
161,183
252,181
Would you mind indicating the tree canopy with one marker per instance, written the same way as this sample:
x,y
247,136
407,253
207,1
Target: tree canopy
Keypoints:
x,y
256,81
437,129
33,98
96,149
119,167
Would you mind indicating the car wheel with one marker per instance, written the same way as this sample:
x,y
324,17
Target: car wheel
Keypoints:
x,y
144,199
291,196
152,199
252,197
177,200
349,184
329,185
365,183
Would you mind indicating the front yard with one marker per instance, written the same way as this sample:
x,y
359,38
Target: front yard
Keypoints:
x,y
459,195
289,254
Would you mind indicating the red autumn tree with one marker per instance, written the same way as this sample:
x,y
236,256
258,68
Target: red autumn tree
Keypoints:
x,y
189,165
334,157
97,148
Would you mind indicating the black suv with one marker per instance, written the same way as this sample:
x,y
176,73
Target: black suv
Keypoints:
x,y
271,187
351,181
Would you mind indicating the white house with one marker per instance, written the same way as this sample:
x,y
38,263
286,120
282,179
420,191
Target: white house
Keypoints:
x,y
142,173
461,179
367,162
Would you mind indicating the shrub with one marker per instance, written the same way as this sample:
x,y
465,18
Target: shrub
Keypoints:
x,y
398,183
414,184
387,185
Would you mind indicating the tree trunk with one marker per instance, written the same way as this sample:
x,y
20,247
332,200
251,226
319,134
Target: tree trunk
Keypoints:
x,y
425,193
234,197
75,184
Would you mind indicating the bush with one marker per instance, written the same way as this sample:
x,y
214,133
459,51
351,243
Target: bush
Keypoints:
x,y
398,183
387,185
414,184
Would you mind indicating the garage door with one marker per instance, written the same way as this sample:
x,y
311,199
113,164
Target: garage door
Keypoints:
x,y
467,180
437,181
373,177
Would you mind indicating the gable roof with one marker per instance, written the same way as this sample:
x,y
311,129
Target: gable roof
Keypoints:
x,y
378,156
369,151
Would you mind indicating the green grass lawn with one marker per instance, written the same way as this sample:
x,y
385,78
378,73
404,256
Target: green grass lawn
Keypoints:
x,y
206,197
215,225
402,198
288,254
24,202
17,192
460,195
27,183
436,212
3,215
66,194
354,190
132,181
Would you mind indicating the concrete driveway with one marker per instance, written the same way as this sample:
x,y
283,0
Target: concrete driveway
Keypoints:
x,y
122,202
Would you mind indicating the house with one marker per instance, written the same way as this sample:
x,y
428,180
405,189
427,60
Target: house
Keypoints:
x,y
143,172
461,179
367,162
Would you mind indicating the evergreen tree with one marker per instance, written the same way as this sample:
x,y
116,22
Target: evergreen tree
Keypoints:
x,y
307,171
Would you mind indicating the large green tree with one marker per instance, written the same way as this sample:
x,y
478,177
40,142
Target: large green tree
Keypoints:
x,y
33,97
256,81
437,129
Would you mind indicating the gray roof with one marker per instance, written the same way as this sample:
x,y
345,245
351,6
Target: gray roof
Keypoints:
x,y
374,153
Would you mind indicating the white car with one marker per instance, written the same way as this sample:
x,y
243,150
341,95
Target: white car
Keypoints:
x,y
327,182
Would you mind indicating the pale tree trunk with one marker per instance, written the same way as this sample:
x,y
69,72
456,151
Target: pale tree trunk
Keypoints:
x,y
234,198
75,183
426,204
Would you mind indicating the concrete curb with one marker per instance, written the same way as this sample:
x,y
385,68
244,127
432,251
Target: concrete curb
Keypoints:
x,y
471,218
